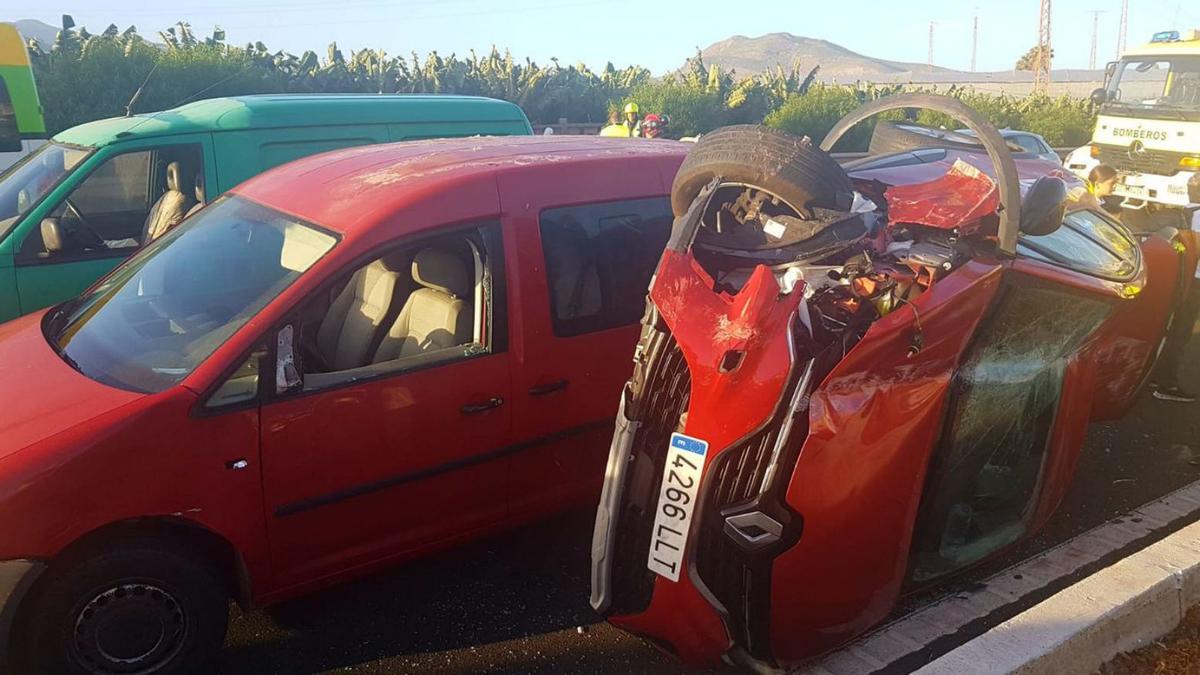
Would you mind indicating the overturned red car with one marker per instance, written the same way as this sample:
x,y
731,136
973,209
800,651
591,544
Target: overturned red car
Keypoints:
x,y
852,382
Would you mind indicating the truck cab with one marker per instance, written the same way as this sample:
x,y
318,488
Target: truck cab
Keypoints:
x,y
85,201
1148,127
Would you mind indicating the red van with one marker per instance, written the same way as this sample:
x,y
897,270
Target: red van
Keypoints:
x,y
348,361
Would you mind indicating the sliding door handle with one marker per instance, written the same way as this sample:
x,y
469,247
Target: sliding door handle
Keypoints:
x,y
548,388
476,408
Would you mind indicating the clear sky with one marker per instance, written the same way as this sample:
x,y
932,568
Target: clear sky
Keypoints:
x,y
659,34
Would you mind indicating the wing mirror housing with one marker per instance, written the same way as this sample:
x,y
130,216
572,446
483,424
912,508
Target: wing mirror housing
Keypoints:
x,y
1044,206
1099,96
52,235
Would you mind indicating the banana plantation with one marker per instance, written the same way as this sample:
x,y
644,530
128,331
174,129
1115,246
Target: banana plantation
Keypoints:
x,y
85,76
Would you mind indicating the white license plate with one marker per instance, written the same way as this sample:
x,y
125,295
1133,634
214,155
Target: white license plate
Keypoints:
x,y
676,502
1137,191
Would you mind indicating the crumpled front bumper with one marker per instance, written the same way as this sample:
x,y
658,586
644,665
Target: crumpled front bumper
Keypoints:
x,y
16,578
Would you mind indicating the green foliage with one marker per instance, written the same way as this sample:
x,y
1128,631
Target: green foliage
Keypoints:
x,y
814,113
83,77
1063,121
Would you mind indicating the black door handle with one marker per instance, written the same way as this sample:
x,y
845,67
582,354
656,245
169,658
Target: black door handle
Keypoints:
x,y
476,408
548,388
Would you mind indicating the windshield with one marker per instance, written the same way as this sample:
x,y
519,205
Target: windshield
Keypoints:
x,y
156,318
1163,81
24,185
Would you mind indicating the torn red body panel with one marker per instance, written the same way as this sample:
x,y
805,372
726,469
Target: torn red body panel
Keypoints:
x,y
958,199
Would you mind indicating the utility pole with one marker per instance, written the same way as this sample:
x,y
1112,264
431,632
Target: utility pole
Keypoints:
x,y
1095,37
1041,73
974,42
931,46
1123,29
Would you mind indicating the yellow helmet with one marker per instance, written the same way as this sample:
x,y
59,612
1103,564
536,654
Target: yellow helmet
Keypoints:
x,y
631,108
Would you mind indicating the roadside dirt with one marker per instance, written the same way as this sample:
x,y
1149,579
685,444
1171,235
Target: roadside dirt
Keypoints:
x,y
1177,653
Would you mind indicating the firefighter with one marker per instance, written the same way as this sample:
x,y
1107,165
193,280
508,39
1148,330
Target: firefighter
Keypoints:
x,y
630,127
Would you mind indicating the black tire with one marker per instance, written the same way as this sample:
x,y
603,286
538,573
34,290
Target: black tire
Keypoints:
x,y
143,608
892,137
801,174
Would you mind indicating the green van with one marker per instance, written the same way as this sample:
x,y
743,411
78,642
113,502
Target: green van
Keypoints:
x,y
79,205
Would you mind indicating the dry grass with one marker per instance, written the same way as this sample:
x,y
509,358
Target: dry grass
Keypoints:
x,y
1175,654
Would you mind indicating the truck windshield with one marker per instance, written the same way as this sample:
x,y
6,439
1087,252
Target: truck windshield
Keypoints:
x,y
1157,81
153,320
24,185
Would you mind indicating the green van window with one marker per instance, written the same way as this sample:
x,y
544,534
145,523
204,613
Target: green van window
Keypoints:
x,y
10,135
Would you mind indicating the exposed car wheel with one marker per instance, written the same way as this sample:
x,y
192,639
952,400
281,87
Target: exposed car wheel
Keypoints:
x,y
140,609
892,137
795,170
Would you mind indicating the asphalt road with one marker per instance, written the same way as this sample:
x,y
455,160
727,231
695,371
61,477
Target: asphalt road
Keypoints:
x,y
517,603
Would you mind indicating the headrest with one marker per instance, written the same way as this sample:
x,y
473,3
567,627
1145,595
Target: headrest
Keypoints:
x,y
173,182
441,271
199,187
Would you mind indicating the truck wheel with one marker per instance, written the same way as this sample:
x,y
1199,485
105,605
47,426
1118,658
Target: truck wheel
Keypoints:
x,y
138,609
892,137
796,171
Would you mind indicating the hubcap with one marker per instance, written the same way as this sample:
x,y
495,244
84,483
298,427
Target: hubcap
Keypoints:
x,y
130,628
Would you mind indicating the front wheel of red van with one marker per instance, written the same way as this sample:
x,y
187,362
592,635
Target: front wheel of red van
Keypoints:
x,y
139,610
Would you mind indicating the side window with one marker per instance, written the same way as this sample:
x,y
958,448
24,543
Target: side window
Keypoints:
x,y
431,301
120,184
599,260
1029,143
127,201
10,135
241,386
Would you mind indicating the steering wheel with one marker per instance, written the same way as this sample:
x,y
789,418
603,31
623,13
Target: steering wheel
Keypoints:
x,y
1007,178
96,240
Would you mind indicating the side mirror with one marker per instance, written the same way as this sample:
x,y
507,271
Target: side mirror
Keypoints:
x,y
1110,69
1099,96
52,235
1044,206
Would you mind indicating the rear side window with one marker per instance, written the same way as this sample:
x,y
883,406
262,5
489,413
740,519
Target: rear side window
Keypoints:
x,y
10,135
599,260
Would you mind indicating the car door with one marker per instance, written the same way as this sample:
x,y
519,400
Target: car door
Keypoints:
x,y
99,220
586,248
400,454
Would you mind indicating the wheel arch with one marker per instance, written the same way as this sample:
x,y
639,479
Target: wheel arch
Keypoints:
x,y
172,532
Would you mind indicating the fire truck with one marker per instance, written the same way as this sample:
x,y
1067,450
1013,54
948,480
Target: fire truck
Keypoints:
x,y
1148,129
